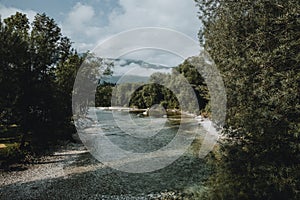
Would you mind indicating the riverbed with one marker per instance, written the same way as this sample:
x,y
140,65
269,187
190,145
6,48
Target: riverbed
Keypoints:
x,y
73,173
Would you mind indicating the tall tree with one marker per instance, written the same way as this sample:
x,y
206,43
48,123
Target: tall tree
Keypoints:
x,y
66,72
30,56
13,53
255,44
196,81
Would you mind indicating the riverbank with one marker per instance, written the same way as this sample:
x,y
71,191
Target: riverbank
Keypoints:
x,y
72,173
145,112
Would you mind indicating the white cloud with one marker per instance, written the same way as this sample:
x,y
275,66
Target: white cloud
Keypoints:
x,y
8,11
180,15
83,21
80,16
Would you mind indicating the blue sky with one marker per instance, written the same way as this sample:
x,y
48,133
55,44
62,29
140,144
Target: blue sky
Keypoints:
x,y
89,22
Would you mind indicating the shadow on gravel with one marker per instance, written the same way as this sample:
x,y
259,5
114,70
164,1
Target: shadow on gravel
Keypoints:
x,y
185,172
14,168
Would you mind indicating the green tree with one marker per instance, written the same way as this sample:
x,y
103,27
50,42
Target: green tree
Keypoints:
x,y
30,58
65,74
149,95
168,89
255,44
104,94
196,81
13,53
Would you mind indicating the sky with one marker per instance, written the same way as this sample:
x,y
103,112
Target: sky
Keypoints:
x,y
91,22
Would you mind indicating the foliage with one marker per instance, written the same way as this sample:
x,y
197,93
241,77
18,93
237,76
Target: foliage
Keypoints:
x,y
11,154
65,76
151,94
104,94
196,81
37,71
164,89
255,44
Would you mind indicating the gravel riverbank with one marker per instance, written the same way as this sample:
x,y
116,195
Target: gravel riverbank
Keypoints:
x,y
72,173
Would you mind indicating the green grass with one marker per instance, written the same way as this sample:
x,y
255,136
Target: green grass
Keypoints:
x,y
9,147
10,137
10,154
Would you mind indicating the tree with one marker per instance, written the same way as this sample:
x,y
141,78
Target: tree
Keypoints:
x,y
151,94
13,45
196,81
255,44
104,94
31,59
65,74
168,89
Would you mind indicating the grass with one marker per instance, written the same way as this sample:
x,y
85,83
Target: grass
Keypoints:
x,y
7,151
10,152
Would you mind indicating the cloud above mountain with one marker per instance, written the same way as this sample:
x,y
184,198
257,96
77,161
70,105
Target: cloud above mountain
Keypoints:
x,y
137,68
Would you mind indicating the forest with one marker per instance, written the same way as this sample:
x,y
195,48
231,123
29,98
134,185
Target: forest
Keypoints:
x,y
254,44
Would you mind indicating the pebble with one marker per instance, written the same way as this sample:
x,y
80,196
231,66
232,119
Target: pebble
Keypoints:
x,y
72,173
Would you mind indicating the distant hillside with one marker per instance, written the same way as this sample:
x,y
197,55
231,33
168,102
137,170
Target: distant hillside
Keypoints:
x,y
127,62
130,70
126,79
133,71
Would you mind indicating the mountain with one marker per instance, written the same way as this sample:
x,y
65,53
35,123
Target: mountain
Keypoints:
x,y
126,79
133,71
126,62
